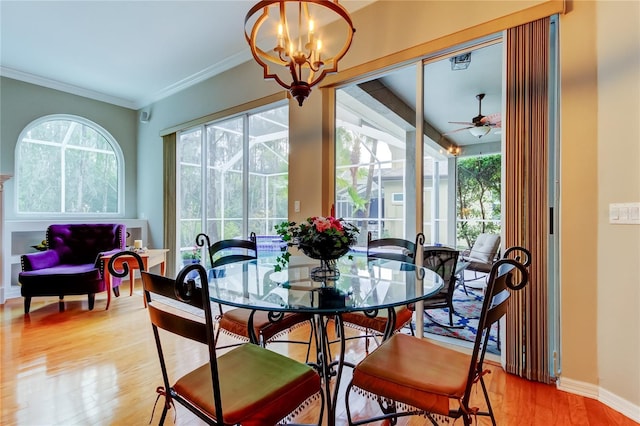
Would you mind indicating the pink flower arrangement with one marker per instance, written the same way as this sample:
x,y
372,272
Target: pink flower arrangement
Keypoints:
x,y
318,237
323,224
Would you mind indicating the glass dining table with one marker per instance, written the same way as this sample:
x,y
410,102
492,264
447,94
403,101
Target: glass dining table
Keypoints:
x,y
367,286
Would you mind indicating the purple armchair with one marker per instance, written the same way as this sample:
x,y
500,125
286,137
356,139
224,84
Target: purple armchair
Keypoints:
x,y
72,263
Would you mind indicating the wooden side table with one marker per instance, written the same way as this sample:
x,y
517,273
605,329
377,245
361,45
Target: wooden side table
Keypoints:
x,y
150,258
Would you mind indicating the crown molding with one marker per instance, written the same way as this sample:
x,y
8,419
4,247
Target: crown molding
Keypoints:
x,y
205,74
65,87
136,104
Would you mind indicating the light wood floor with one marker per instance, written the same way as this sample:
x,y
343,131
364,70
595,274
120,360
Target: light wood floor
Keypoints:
x,y
100,367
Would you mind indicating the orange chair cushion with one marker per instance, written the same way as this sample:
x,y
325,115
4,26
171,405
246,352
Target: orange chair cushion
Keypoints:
x,y
414,371
236,321
379,322
258,386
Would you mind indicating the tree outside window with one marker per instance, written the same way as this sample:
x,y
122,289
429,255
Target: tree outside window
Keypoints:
x,y
478,197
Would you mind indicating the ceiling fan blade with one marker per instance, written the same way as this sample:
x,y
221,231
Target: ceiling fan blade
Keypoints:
x,y
494,120
457,130
461,122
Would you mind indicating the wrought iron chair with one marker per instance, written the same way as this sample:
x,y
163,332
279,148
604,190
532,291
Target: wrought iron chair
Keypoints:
x,y
235,322
443,261
374,325
480,258
230,388
410,376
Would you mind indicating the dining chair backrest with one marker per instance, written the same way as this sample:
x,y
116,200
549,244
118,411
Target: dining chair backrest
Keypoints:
x,y
230,250
393,248
182,292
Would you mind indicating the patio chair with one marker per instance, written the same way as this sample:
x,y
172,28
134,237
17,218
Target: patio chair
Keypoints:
x,y
443,261
247,385
235,322
419,377
480,258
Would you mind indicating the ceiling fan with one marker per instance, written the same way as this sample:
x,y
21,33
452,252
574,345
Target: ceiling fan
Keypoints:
x,y
480,125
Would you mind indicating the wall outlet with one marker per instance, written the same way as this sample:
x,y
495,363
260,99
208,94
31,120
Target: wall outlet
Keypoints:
x,y
296,206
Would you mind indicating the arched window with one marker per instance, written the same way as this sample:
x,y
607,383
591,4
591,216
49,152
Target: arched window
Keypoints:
x,y
67,165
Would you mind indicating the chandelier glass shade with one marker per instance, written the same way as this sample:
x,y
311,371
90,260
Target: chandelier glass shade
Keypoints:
x,y
285,40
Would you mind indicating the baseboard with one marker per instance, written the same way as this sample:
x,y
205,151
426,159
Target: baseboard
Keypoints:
x,y
620,404
609,399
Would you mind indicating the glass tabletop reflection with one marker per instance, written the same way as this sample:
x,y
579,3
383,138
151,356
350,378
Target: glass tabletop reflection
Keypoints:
x,y
363,285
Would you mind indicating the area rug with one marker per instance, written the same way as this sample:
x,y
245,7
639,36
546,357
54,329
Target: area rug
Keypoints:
x,y
466,313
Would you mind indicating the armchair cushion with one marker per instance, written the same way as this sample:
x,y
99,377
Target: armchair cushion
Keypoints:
x,y
62,280
485,249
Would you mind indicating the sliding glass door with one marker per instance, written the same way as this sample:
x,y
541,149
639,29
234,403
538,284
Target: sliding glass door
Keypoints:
x,y
415,153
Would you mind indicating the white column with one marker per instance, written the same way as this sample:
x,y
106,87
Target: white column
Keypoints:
x,y
3,178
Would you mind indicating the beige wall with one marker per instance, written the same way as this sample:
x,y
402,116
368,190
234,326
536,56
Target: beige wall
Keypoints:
x,y
579,193
600,159
618,166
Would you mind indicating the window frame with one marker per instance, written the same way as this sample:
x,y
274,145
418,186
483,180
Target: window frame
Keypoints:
x,y
120,163
244,115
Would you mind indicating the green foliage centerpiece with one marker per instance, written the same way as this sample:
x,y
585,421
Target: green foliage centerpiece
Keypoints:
x,y
319,237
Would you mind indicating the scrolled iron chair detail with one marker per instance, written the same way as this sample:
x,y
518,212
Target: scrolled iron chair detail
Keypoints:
x,y
125,265
219,392
417,377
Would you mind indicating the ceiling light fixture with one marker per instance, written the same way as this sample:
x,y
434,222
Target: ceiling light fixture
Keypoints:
x,y
479,131
454,150
283,40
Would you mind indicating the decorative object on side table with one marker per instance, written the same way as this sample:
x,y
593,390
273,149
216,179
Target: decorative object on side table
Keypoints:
x,y
42,246
319,237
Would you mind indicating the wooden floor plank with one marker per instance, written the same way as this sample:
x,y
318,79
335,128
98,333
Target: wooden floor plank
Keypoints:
x,y
81,367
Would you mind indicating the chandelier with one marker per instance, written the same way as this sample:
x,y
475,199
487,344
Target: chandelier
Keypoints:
x,y
284,40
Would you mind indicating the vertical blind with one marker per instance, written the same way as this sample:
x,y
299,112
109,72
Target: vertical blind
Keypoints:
x,y
526,189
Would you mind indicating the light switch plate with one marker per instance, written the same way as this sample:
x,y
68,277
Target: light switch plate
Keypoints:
x,y
624,213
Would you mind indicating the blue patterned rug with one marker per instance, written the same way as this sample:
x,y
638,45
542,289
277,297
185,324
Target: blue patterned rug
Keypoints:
x,y
466,314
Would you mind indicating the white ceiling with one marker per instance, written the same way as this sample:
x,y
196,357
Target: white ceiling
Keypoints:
x,y
129,53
